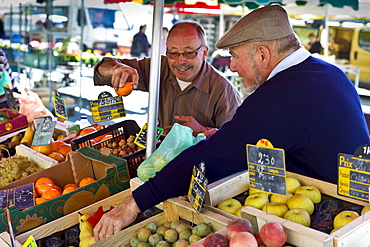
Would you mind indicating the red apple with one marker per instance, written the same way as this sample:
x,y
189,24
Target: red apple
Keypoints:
x,y
238,225
196,245
243,239
216,240
273,234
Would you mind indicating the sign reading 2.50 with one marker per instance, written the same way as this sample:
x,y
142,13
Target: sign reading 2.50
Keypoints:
x,y
265,159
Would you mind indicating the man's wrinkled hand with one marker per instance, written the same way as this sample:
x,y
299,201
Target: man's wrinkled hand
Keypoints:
x,y
191,123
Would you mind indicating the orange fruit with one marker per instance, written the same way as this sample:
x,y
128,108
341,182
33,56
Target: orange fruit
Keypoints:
x,y
87,130
44,149
39,201
64,149
70,185
50,194
86,181
57,144
69,189
43,180
43,188
99,126
57,188
125,90
106,137
57,156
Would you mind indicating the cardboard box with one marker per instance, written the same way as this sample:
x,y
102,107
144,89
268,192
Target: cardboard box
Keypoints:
x,y
110,172
5,240
16,121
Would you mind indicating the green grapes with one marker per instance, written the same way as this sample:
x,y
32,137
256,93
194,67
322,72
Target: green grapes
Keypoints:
x,y
16,167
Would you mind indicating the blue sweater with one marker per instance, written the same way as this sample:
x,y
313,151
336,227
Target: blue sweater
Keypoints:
x,y
311,110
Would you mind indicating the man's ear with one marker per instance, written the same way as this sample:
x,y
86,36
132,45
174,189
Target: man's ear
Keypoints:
x,y
264,56
205,52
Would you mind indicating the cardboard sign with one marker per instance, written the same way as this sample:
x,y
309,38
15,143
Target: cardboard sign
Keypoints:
x,y
21,197
140,139
198,187
44,132
266,166
60,107
354,175
107,107
12,103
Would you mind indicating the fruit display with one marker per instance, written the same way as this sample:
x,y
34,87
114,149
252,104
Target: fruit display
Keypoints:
x,y
240,233
171,233
16,167
7,147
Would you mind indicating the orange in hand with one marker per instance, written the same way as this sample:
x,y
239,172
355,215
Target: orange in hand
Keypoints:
x,y
86,181
125,90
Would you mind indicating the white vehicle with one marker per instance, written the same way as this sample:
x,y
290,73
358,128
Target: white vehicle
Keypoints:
x,y
106,25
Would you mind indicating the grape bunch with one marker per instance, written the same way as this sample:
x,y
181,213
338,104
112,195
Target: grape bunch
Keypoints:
x,y
16,167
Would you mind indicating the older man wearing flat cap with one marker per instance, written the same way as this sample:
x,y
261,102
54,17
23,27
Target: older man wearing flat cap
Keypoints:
x,y
299,103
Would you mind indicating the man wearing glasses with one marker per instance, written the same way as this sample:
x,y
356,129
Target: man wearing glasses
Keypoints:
x,y
192,92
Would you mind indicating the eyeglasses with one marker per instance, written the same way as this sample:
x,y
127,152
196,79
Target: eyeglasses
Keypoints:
x,y
187,54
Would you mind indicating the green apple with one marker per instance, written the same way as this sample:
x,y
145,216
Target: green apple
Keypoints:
x,y
253,191
311,192
292,184
278,209
344,217
257,200
238,212
298,215
280,198
365,209
230,205
301,201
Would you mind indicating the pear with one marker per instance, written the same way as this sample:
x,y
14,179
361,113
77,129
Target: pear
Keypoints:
x,y
86,229
83,217
87,241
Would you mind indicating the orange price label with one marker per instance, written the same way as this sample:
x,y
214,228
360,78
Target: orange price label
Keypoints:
x,y
264,143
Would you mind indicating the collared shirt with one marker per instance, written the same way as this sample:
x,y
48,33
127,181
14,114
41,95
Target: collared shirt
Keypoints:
x,y
211,99
295,58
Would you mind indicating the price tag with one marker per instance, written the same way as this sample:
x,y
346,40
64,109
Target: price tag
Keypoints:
x,y
198,187
12,103
21,197
266,166
31,242
107,107
140,139
44,132
354,174
59,106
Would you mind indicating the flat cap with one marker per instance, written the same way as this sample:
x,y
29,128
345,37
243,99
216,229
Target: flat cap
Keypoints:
x,y
263,24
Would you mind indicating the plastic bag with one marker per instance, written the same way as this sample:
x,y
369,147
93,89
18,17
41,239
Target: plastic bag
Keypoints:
x,y
5,80
31,105
178,139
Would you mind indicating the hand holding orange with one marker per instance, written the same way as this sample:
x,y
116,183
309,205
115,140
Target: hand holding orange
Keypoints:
x,y
125,90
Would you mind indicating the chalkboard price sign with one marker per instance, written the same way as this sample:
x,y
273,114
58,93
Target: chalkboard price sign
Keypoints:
x,y
60,107
108,108
11,101
353,176
266,168
21,197
44,132
140,139
198,187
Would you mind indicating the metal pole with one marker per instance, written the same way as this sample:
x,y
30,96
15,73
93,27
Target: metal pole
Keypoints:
x,y
82,21
154,76
49,23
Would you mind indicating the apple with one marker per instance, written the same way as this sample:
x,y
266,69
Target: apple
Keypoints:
x,y
311,192
230,205
258,238
243,239
202,229
301,201
292,184
278,209
298,215
344,217
216,239
257,200
281,198
238,225
196,245
254,191
273,234
365,209
238,212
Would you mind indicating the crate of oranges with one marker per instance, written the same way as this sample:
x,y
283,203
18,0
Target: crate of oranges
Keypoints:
x,y
84,178
118,137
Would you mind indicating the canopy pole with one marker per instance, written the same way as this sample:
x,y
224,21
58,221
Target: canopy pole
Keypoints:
x,y
325,33
154,76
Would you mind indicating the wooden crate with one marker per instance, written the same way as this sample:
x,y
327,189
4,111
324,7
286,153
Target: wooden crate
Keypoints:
x,y
356,233
174,209
71,219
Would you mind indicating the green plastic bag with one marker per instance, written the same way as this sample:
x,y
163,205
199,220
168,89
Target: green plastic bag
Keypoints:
x,y
178,139
5,80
